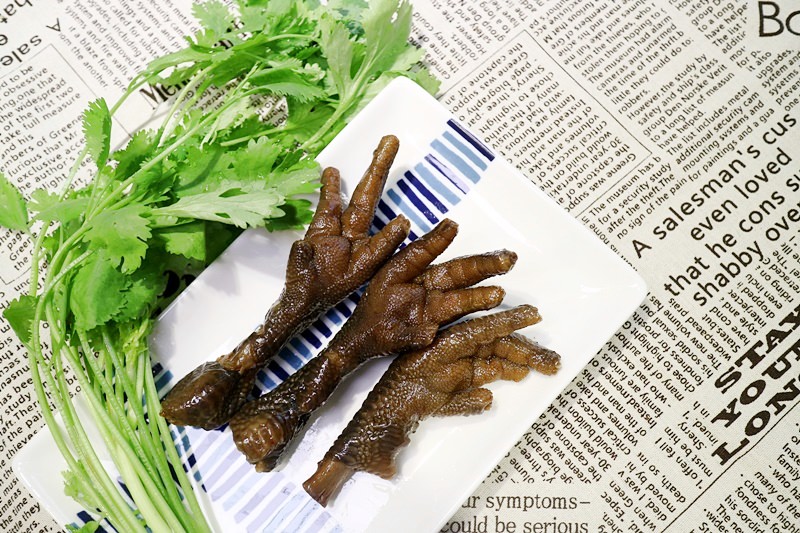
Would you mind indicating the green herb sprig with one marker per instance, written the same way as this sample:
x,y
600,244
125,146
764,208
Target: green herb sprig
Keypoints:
x,y
166,204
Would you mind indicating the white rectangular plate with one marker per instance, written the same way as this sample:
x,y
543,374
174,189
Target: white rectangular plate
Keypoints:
x,y
583,291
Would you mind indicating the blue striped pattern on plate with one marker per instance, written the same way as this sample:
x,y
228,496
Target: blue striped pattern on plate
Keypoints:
x,y
258,502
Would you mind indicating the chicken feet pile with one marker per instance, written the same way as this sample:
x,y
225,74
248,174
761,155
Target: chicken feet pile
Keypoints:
x,y
408,299
404,305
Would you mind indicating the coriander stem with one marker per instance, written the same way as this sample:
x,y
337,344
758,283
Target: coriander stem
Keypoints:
x,y
150,445
197,77
94,469
345,102
64,402
61,396
288,36
123,379
116,408
55,429
169,445
50,284
261,133
135,83
125,453
155,522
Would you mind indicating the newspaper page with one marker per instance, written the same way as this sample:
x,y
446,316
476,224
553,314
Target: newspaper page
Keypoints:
x,y
674,136
670,129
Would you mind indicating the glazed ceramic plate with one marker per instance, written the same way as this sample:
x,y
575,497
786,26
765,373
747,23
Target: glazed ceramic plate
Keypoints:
x,y
582,289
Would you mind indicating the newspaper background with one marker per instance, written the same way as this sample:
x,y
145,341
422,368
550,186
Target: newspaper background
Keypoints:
x,y
661,126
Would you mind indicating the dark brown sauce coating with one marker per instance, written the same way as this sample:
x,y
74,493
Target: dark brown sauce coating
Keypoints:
x,y
335,257
443,379
404,306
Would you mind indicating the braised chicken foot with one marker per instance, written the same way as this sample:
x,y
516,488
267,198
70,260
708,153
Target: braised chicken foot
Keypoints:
x,y
444,379
402,309
335,257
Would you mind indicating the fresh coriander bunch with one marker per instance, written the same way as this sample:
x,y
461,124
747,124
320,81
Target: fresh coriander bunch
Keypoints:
x,y
166,204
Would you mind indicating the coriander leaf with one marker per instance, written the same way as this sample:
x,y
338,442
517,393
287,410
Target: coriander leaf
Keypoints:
x,y
276,17
194,167
213,15
153,185
20,313
218,238
122,234
296,215
350,9
302,180
188,240
279,7
426,80
144,287
231,116
406,59
405,64
179,75
193,56
13,209
387,25
228,205
65,210
251,128
96,292
286,82
339,50
130,159
305,120
180,272
49,206
294,158
41,200
230,63
97,131
253,18
255,160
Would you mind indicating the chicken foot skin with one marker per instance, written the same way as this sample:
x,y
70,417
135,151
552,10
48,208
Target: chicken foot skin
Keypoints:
x,y
444,379
402,309
335,257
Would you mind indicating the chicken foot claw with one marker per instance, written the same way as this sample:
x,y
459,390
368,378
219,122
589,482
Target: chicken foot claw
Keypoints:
x,y
402,309
334,258
443,379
